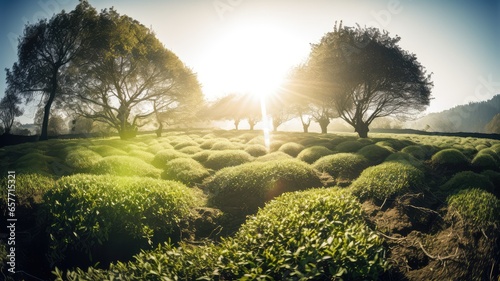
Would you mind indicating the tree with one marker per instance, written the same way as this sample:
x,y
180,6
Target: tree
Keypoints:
x,y
366,75
237,107
44,51
9,110
129,75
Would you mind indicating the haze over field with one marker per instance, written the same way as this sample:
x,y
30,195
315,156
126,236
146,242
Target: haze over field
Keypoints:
x,y
248,46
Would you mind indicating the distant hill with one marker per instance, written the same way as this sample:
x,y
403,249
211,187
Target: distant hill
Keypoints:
x,y
472,117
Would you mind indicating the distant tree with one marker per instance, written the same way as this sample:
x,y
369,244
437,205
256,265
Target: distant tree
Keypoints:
x,y
366,75
493,127
279,110
129,71
237,107
81,125
44,51
9,110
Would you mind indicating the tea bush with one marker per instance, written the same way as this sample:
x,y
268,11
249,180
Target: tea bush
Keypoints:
x,y
467,179
227,158
449,159
273,156
256,150
244,188
291,148
483,162
35,162
349,146
478,208
342,166
82,159
184,144
143,155
185,170
202,156
387,179
125,166
374,153
162,157
318,234
225,145
83,212
107,150
191,150
416,151
30,189
313,153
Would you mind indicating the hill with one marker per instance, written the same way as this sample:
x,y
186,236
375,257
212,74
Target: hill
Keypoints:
x,y
472,117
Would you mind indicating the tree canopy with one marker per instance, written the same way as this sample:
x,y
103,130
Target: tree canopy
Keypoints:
x,y
9,110
363,74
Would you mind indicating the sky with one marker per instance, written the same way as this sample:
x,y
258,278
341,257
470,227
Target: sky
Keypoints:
x,y
249,45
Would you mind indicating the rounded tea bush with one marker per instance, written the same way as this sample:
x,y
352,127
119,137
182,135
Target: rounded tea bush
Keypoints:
x,y
87,214
318,234
256,150
342,166
202,156
82,159
416,151
125,166
185,170
387,179
227,158
313,153
30,189
277,155
107,150
449,159
191,150
349,146
374,153
143,155
467,179
245,188
225,145
162,157
291,148
478,208
483,162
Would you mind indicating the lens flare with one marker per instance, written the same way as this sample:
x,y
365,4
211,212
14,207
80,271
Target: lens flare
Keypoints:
x,y
265,123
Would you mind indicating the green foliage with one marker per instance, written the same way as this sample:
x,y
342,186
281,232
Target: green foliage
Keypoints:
x,y
141,154
125,166
291,148
84,211
483,162
274,156
106,150
227,158
184,144
349,146
185,170
375,153
404,158
36,162
467,179
202,156
416,151
342,166
256,150
478,208
313,153
82,159
449,160
225,145
387,179
244,188
318,234
29,189
190,150
162,157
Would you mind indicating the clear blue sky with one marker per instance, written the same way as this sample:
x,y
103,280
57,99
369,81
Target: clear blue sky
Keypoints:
x,y
248,45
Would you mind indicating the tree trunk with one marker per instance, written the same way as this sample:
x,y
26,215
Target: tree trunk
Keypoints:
x,y
252,124
305,126
159,130
362,129
236,124
46,113
323,123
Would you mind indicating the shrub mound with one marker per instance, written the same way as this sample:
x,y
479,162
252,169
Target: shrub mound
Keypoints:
x,y
387,179
141,154
313,153
477,208
375,153
82,159
291,148
190,150
416,151
227,158
449,159
349,146
256,150
107,150
465,180
277,155
91,212
225,145
483,161
245,188
343,167
322,236
125,166
162,157
29,189
185,170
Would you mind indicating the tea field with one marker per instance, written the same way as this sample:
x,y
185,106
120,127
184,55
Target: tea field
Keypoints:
x,y
220,205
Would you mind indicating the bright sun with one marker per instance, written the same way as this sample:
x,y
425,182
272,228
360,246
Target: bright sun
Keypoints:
x,y
251,58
